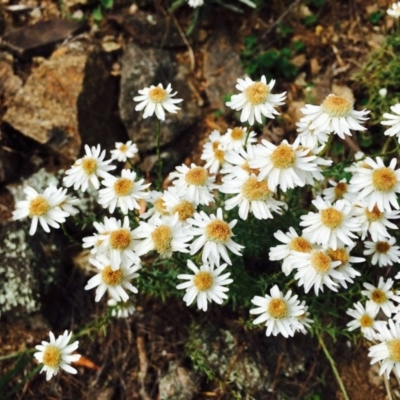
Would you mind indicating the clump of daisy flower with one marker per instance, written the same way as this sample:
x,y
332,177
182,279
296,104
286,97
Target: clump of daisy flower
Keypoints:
x,y
381,296
115,282
215,237
377,184
206,285
123,192
339,190
214,152
256,100
335,114
124,151
279,312
88,169
383,252
121,309
57,354
42,208
387,352
156,99
235,139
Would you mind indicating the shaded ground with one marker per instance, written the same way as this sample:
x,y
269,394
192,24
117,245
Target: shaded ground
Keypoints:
x,y
166,349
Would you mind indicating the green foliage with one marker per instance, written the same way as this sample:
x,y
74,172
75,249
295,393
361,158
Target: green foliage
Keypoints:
x,y
271,63
310,20
376,17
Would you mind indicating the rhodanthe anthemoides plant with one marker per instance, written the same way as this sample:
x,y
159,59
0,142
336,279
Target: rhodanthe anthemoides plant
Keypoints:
x,y
323,226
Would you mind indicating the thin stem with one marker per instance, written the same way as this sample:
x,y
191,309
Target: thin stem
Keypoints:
x,y
159,160
333,366
328,143
247,138
387,387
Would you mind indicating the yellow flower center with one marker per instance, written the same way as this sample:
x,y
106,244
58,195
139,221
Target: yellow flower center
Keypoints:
x,y
300,244
378,296
366,321
159,205
162,238
237,134
219,155
157,95
120,239
257,93
123,187
123,148
331,217
215,145
374,215
38,207
110,277
340,190
184,209
253,190
394,349
52,356
283,157
197,176
247,168
321,262
339,255
277,308
203,281
218,231
384,179
382,247
89,165
336,106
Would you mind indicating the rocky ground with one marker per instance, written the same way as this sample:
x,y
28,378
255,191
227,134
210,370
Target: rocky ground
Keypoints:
x,y
65,83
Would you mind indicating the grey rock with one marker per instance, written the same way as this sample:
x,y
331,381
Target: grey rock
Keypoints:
x,y
222,67
142,68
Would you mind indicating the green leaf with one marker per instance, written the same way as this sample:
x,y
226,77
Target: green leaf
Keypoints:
x,y
107,3
97,14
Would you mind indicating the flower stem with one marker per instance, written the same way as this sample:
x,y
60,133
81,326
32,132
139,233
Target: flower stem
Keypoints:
x,y
328,143
159,160
247,138
333,366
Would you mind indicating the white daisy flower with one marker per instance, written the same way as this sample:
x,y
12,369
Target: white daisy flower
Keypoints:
x,y
342,254
114,240
251,196
388,351
195,3
374,222
332,225
303,320
115,282
392,120
311,137
214,153
121,309
381,296
359,162
124,151
158,210
123,192
206,285
279,312
256,100
335,114
57,354
377,185
176,204
69,203
215,237
234,139
291,242
394,11
42,208
194,184
162,235
88,169
155,99
384,253
364,318
240,159
316,269
281,164
339,190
